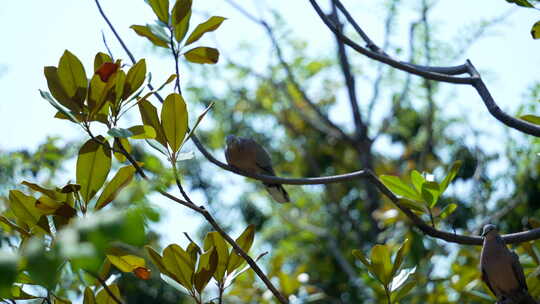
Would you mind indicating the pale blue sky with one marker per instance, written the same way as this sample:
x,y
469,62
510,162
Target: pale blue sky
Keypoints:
x,y
35,33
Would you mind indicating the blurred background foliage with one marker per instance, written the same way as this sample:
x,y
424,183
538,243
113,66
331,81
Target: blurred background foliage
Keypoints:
x,y
405,126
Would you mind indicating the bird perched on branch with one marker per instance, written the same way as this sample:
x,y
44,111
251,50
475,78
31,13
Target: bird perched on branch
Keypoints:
x,y
501,270
246,154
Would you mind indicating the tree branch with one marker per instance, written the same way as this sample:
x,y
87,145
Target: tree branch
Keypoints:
x,y
443,74
290,74
361,128
192,206
107,289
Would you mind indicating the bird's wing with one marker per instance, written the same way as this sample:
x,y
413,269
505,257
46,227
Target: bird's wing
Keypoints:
x,y
518,270
262,158
228,155
486,280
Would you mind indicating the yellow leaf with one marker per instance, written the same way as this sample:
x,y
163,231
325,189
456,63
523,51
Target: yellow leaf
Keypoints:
x,y
126,263
535,30
202,55
174,120
93,165
119,181
210,25
245,240
103,296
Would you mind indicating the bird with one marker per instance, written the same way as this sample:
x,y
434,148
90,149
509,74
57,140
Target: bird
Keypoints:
x,y
501,270
247,155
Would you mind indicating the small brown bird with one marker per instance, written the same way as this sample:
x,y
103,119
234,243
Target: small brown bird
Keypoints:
x,y
501,270
246,154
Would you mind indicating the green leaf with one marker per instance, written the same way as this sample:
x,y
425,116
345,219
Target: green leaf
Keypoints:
x,y
401,278
403,291
184,156
202,55
135,78
399,258
450,176
89,297
535,30
156,259
215,240
119,181
531,118
72,77
8,269
523,3
396,185
47,205
360,255
120,83
120,132
14,226
208,263
430,193
95,93
417,180
381,263
150,117
157,146
210,25
17,293
50,193
142,132
245,240
449,209
174,120
199,119
58,91
43,265
194,251
179,264
67,114
125,144
23,206
126,263
103,296
181,14
145,31
100,59
135,132
93,166
161,9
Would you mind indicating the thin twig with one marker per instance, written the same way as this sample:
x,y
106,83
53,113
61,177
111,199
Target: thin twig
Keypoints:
x,y
107,45
107,289
380,70
361,128
114,32
290,75
435,73
443,74
201,210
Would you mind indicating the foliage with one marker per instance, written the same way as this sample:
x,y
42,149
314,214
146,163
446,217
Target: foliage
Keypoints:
x,y
535,29
89,236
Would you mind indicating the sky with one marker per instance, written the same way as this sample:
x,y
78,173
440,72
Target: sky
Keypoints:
x,y
49,27
35,33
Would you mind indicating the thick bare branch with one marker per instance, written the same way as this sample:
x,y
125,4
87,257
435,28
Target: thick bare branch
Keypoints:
x,y
443,74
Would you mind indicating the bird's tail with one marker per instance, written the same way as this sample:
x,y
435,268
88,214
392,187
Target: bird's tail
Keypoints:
x,y
528,299
278,193
522,297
